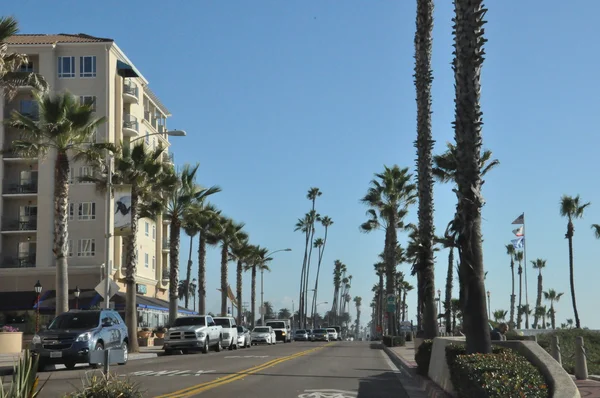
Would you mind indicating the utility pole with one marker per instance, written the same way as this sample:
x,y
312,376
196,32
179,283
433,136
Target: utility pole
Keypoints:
x,y
108,262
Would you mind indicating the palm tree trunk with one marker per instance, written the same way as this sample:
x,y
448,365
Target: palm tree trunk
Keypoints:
x,y
175,232
312,235
302,278
202,274
538,301
253,295
188,275
419,301
239,291
448,298
552,315
131,260
520,307
403,305
512,296
321,251
224,258
61,232
572,274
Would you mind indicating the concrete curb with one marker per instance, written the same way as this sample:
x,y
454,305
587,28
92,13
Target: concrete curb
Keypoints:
x,y
428,387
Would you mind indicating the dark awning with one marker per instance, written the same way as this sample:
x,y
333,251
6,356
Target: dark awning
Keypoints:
x,y
87,298
17,301
150,303
126,70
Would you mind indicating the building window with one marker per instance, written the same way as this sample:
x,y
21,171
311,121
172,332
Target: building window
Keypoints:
x,y
146,260
87,211
71,211
66,67
29,108
26,68
154,232
153,262
86,248
147,229
88,100
147,138
87,66
86,171
70,248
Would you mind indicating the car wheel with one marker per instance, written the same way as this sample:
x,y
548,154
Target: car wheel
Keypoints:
x,y
99,347
70,364
248,344
205,346
184,351
218,348
235,346
125,349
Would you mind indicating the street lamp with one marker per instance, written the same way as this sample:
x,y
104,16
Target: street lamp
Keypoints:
x,y
170,133
77,292
489,304
38,290
262,290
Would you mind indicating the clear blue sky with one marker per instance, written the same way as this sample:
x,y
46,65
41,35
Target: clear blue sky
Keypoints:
x,y
279,96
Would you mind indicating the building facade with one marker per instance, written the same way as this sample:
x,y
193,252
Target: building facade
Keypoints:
x,y
94,70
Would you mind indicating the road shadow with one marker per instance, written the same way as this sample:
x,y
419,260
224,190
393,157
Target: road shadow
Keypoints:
x,y
382,385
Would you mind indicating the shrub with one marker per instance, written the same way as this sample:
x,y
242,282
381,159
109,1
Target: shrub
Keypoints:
x,y
423,357
502,374
566,338
24,379
394,341
99,386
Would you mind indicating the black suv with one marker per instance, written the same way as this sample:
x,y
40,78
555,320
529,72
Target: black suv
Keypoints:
x,y
71,336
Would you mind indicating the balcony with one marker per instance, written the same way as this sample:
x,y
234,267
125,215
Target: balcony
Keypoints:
x,y
10,155
166,246
168,158
131,127
20,188
22,260
165,275
131,92
19,224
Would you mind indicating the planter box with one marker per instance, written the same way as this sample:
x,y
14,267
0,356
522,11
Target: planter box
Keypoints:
x,y
11,342
158,342
144,341
417,342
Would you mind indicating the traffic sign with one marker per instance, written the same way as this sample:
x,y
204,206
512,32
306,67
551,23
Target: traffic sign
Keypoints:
x,y
391,298
113,288
391,307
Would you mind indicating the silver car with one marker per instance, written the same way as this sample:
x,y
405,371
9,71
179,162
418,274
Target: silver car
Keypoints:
x,y
244,337
301,335
263,334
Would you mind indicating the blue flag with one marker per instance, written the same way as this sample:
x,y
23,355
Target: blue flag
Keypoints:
x,y
518,243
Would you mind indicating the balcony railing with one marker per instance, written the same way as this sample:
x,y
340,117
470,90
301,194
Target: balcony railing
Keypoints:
x,y
24,223
130,122
21,187
165,274
166,244
22,260
131,88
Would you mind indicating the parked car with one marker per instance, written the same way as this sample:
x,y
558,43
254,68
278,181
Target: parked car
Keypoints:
x,y
320,335
191,333
71,336
263,334
333,334
311,335
301,335
244,337
229,336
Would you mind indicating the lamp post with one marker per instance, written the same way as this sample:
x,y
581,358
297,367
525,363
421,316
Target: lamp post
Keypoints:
x,y
77,292
170,133
38,291
489,304
439,292
262,290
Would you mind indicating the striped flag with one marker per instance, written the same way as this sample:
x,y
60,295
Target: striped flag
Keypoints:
x,y
520,219
518,231
518,243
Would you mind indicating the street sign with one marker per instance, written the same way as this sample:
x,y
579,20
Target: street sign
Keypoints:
x,y
391,298
113,288
391,307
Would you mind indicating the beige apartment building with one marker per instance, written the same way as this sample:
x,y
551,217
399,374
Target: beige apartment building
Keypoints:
x,y
92,69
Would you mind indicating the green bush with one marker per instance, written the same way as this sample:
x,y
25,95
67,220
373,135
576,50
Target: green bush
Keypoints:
x,y
98,386
423,357
24,379
566,338
395,341
502,374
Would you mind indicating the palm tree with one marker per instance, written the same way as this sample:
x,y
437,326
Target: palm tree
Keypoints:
x,y
538,264
183,289
552,297
388,198
179,201
191,229
424,144
357,303
406,287
500,315
63,128
11,77
204,217
540,312
320,244
519,259
448,243
257,261
269,311
304,225
150,179
240,252
510,250
456,311
284,313
228,233
312,195
468,60
571,208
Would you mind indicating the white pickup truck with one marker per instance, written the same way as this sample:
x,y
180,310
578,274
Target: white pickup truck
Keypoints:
x,y
229,337
193,333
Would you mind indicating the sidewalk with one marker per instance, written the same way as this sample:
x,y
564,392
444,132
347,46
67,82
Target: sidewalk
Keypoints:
x,y
589,388
7,361
416,386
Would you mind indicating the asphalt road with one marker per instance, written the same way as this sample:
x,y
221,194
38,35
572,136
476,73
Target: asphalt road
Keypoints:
x,y
297,370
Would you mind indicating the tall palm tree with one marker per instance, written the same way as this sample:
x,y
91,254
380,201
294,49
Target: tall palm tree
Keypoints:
x,y
510,250
205,217
572,208
553,297
388,198
229,233
320,244
11,77
304,225
500,315
338,270
191,229
257,261
240,252
538,264
519,260
150,180
64,128
179,202
312,195
468,60
456,312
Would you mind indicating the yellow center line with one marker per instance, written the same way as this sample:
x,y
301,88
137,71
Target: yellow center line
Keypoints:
x,y
193,390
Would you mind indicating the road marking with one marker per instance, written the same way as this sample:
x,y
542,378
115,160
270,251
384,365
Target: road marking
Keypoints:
x,y
191,391
247,356
392,366
328,394
144,373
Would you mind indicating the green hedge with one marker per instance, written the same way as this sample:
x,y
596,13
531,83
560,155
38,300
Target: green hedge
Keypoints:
x,y
502,374
566,338
395,341
423,357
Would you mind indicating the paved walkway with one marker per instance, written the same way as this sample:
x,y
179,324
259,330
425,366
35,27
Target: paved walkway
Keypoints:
x,y
588,388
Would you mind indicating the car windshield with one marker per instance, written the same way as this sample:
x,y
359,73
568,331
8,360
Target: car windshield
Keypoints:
x,y
190,321
78,320
332,330
261,330
320,331
240,329
300,331
224,322
276,325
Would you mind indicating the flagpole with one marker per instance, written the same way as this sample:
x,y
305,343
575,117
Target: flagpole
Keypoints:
x,y
525,259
